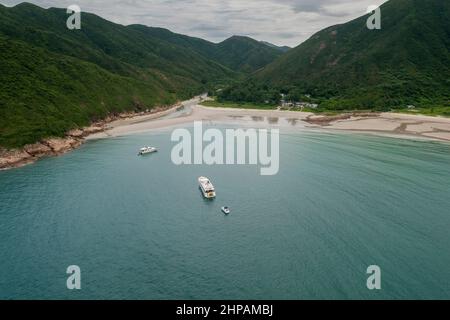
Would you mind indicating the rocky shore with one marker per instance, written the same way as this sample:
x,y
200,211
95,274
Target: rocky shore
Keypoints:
x,y
45,148
54,146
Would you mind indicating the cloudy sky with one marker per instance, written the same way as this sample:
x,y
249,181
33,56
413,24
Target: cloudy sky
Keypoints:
x,y
282,22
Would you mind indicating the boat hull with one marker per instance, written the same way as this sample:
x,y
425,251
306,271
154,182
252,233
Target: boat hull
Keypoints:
x,y
207,195
207,188
143,153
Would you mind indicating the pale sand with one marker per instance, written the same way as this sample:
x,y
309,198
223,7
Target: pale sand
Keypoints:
x,y
399,125
365,124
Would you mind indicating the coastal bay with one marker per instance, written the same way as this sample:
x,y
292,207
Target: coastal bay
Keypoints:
x,y
299,160
387,124
390,124
138,227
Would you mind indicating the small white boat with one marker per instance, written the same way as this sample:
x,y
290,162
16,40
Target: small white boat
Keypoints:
x,y
147,150
207,188
226,210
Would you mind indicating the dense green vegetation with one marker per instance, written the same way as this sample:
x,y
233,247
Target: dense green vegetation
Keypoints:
x,y
347,66
116,48
53,79
283,49
45,94
245,54
216,104
238,53
433,111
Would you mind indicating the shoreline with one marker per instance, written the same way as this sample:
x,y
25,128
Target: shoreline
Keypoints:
x,y
386,124
396,125
56,146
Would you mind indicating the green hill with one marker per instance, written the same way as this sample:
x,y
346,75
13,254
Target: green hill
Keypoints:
x,y
241,54
112,46
282,49
45,94
245,54
349,66
53,79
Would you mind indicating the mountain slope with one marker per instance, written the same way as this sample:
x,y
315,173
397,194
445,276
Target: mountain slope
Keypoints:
x,y
245,54
53,79
350,66
240,54
105,43
282,49
45,94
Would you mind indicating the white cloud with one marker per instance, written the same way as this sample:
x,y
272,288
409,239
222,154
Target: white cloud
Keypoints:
x,y
282,22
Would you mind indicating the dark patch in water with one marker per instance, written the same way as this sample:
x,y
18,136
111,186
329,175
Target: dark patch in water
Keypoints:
x,y
257,119
292,121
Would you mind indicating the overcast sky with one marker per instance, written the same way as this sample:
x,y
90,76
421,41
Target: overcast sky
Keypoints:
x,y
282,22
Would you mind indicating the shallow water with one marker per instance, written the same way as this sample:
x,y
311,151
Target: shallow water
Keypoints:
x,y
139,228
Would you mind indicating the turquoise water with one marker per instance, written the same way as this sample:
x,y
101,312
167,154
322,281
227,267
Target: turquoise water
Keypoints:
x,y
139,228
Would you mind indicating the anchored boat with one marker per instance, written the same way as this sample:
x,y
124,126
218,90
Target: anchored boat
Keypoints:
x,y
226,210
207,188
147,150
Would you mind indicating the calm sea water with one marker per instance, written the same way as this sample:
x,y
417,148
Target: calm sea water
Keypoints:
x,y
139,228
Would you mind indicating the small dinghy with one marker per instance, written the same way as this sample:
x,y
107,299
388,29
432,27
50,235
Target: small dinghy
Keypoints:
x,y
226,210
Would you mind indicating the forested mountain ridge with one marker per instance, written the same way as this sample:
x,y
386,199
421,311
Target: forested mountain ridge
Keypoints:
x,y
348,66
53,79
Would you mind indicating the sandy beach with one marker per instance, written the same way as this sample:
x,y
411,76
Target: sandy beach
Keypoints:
x,y
390,124
184,114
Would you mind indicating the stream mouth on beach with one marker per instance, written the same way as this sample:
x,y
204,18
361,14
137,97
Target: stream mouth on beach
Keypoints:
x,y
139,228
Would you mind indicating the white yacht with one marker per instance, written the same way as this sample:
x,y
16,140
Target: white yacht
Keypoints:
x,y
207,188
147,150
